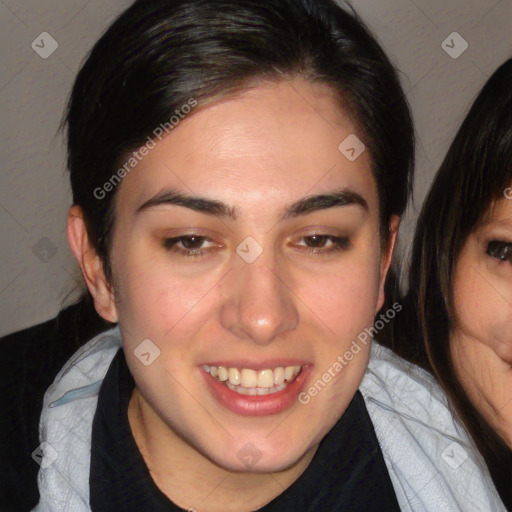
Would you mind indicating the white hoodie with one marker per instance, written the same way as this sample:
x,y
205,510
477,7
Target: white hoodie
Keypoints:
x,y
433,465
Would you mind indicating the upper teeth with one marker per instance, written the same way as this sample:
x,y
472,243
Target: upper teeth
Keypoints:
x,y
249,378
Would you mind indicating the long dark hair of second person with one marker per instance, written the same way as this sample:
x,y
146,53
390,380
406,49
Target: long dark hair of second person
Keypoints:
x,y
476,171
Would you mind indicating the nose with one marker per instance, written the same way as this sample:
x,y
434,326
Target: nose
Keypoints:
x,y
260,304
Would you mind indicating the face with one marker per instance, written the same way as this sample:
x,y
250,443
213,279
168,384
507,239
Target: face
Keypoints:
x,y
481,341
247,249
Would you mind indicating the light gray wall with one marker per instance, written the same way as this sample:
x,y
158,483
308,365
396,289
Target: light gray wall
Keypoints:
x,y
38,272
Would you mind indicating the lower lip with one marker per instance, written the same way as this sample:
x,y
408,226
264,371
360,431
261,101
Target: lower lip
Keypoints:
x,y
258,405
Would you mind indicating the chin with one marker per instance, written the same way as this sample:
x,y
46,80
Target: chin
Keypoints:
x,y
248,458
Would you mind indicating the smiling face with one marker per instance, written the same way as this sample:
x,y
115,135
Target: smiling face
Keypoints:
x,y
481,341
246,248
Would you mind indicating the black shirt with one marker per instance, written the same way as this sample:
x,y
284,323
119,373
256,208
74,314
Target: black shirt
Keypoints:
x,y
347,473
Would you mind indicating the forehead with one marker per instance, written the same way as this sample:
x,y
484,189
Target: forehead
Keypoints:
x,y
267,146
498,213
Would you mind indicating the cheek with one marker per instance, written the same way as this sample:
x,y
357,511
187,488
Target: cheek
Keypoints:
x,y
342,300
482,304
347,298
466,297
155,300
471,307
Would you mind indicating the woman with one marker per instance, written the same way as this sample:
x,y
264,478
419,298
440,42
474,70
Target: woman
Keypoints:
x,y
239,169
460,277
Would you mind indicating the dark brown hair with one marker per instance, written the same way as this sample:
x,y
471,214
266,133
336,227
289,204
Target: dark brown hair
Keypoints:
x,y
159,54
473,176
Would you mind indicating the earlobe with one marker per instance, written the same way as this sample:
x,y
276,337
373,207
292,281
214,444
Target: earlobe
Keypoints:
x,y
90,265
387,256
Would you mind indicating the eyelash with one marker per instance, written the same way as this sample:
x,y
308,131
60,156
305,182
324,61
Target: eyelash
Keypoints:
x,y
340,243
495,245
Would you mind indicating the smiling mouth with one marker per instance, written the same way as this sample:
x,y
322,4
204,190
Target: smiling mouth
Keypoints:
x,y
246,381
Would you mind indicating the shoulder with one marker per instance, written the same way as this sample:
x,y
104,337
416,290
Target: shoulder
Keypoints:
x,y
393,381
26,366
430,457
30,360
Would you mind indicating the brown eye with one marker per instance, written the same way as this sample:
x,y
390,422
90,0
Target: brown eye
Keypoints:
x,y
500,250
321,241
192,246
320,244
189,242
316,240
192,242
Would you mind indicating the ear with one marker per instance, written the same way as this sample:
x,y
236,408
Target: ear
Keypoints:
x,y
90,265
387,256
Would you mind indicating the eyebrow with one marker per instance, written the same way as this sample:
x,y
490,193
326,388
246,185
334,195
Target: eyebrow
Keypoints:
x,y
304,206
506,222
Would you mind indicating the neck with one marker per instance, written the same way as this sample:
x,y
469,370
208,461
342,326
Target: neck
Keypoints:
x,y
194,482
